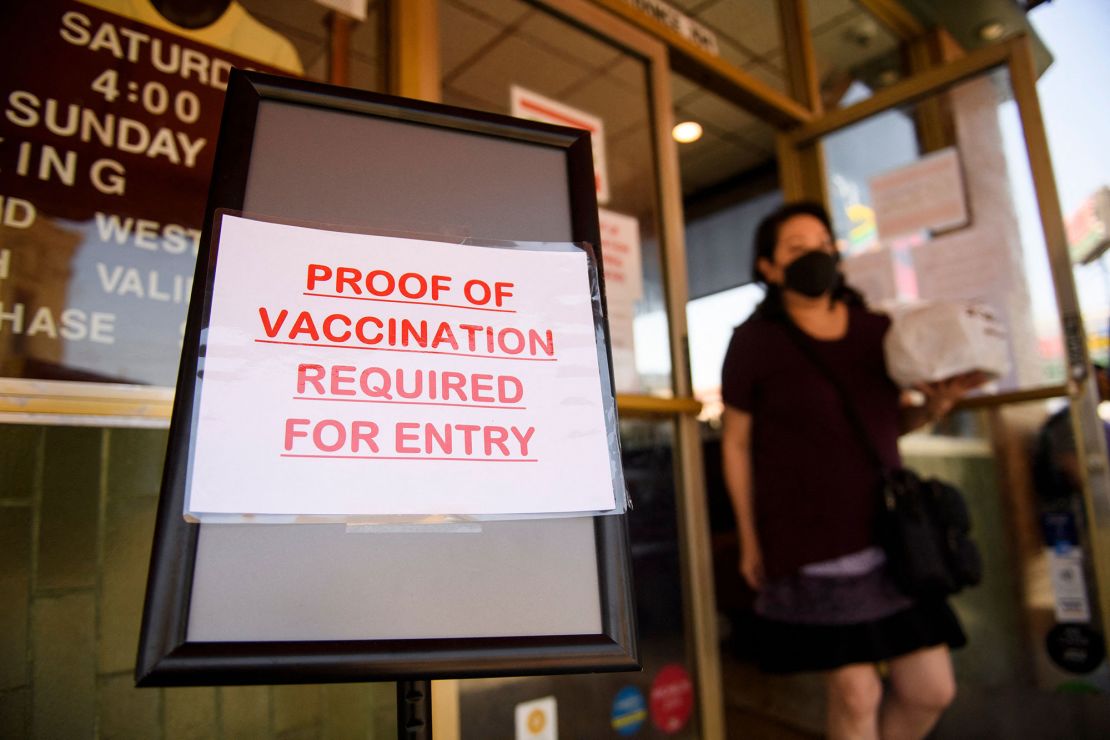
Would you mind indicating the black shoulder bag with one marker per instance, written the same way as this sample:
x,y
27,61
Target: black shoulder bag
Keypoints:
x,y
924,525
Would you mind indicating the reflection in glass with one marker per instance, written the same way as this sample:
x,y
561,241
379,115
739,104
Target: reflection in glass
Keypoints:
x,y
749,36
711,320
855,53
995,254
104,170
729,183
586,702
306,24
571,77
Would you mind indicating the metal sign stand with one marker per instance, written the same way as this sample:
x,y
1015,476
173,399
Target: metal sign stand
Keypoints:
x,y
414,710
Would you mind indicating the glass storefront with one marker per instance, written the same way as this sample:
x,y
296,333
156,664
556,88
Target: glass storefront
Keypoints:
x,y
106,146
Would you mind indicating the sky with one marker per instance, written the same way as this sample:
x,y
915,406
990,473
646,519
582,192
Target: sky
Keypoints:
x,y
1075,94
1075,104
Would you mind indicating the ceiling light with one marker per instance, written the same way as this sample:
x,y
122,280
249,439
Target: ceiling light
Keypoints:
x,y
862,33
686,132
991,31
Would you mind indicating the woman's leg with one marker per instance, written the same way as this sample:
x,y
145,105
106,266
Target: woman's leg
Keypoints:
x,y
922,685
854,694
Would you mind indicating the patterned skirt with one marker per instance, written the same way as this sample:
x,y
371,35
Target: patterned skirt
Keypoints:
x,y
809,622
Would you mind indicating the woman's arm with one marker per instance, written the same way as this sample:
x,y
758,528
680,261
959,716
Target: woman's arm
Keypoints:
x,y
940,397
913,417
736,459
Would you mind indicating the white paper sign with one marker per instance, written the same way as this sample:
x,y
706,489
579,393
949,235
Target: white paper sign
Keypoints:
x,y
535,107
624,286
350,375
621,255
1069,587
961,265
928,194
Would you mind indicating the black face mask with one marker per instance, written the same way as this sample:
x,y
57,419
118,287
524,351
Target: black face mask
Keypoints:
x,y
813,274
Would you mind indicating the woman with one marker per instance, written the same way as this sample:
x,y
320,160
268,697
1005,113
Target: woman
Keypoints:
x,y
804,489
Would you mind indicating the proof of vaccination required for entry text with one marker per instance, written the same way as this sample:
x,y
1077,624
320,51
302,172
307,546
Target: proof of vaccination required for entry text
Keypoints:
x,y
351,375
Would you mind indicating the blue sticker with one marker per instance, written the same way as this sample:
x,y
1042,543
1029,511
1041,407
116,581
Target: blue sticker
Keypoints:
x,y
629,711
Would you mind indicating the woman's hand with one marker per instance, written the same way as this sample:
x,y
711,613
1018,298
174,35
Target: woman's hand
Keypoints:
x,y
942,395
751,565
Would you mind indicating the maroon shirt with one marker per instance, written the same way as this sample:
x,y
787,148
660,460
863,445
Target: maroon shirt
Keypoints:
x,y
815,486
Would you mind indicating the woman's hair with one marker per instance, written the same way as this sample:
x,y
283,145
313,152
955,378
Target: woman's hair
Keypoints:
x,y
767,236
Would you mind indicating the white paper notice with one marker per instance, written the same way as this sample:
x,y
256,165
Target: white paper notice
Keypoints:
x,y
927,194
535,107
1069,588
624,286
961,265
351,375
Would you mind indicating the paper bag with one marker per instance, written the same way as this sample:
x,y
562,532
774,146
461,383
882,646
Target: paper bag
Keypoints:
x,y
930,342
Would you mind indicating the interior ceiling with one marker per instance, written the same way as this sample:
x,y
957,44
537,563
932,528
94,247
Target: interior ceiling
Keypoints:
x,y
489,45
847,42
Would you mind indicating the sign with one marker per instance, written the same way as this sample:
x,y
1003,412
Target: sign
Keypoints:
x,y
680,23
1075,647
1069,587
537,720
961,265
1088,228
672,699
624,286
107,137
925,195
535,107
629,711
361,375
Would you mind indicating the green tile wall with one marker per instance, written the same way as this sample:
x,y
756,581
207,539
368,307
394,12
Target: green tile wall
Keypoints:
x,y
77,509
15,713
68,509
63,641
15,594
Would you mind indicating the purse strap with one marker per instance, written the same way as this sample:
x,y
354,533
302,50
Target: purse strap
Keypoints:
x,y
803,344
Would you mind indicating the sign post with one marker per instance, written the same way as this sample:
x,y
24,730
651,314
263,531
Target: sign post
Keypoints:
x,y
414,710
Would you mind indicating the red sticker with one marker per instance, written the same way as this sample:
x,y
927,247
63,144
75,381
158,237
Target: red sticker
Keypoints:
x,y
672,698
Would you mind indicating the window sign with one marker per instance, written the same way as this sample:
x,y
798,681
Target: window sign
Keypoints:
x,y
107,137
624,287
925,195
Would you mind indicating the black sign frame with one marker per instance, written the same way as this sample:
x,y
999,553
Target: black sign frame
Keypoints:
x,y
166,655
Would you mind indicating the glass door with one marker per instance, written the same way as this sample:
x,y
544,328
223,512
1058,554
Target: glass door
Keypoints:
x,y
941,188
